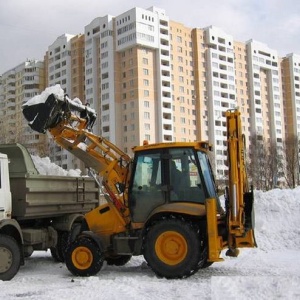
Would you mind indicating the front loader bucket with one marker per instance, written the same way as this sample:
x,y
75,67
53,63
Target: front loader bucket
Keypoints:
x,y
42,116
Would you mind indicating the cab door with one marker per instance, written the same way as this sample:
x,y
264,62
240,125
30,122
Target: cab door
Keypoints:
x,y
147,187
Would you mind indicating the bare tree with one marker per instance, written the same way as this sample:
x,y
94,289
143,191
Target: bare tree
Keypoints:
x,y
291,160
274,166
265,163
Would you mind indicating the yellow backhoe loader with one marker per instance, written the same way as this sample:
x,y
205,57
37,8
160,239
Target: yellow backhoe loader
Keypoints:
x,y
162,203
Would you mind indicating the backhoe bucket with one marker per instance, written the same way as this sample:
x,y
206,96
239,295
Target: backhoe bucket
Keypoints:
x,y
45,115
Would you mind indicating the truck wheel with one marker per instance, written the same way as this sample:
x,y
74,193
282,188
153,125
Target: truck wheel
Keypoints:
x,y
172,249
10,257
118,260
84,257
58,252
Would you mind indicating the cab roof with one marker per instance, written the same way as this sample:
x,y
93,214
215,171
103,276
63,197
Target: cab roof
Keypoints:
x,y
201,145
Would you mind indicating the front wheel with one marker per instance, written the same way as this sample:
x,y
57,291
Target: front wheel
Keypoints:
x,y
10,257
84,257
172,249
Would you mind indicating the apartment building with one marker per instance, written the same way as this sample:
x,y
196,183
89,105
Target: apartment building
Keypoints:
x,y
184,93
265,94
242,86
128,78
220,91
65,66
18,85
290,70
150,78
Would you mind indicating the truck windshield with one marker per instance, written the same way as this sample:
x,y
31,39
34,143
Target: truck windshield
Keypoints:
x,y
207,174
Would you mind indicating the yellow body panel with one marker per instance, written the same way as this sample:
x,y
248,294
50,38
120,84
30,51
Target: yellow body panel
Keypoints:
x,y
105,220
185,208
215,242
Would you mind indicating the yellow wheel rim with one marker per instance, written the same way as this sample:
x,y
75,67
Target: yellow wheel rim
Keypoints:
x,y
82,258
171,247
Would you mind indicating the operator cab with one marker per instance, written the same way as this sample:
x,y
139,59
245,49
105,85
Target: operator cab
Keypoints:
x,y
167,175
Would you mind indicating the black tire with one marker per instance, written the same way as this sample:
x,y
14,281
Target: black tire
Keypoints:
x,y
10,257
172,249
64,240
204,263
118,260
84,257
59,251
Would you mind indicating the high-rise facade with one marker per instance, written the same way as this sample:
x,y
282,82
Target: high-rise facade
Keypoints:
x,y
290,66
266,107
150,78
19,85
65,66
128,78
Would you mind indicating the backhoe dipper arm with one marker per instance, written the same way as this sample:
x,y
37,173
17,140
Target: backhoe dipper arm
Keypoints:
x,y
70,124
239,199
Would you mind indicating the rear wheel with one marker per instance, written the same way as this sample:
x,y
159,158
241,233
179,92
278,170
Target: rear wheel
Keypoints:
x,y
84,257
173,249
64,239
10,257
58,252
204,263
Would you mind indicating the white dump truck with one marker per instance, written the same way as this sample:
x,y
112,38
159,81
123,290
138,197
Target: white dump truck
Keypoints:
x,y
38,212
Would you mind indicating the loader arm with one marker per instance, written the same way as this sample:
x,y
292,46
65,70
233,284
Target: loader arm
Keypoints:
x,y
70,125
239,198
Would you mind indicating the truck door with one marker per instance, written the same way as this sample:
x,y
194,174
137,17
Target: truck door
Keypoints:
x,y
5,195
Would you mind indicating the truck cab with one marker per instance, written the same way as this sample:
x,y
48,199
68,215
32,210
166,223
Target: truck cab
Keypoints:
x,y
5,194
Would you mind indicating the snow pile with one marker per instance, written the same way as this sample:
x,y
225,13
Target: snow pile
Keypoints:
x,y
59,93
277,219
56,90
46,167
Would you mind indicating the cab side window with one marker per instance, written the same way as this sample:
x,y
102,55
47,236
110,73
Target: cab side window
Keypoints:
x,y
185,182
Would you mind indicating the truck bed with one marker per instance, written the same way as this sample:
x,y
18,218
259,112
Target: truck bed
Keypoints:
x,y
42,196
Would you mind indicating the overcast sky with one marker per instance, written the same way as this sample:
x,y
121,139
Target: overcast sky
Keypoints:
x,y
28,27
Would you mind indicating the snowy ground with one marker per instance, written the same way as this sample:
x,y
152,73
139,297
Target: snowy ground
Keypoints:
x,y
271,271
